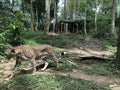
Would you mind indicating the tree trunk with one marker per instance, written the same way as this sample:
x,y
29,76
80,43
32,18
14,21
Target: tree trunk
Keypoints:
x,y
96,14
31,17
118,45
47,9
75,10
12,5
36,27
65,16
113,32
23,8
85,32
55,16
78,7
95,22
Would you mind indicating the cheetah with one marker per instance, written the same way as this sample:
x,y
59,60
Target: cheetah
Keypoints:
x,y
32,53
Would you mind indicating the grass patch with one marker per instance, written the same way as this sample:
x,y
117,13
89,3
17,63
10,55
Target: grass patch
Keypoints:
x,y
111,48
30,42
106,44
24,64
49,82
107,69
40,38
65,65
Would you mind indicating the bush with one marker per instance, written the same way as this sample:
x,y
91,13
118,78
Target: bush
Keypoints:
x,y
13,36
4,47
3,44
16,30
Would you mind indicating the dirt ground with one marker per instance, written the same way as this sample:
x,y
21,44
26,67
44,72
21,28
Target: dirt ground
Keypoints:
x,y
113,82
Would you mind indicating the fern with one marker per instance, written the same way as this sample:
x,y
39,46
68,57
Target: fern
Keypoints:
x,y
3,35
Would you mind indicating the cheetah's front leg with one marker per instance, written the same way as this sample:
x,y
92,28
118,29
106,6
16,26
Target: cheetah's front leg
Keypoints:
x,y
33,65
18,62
45,66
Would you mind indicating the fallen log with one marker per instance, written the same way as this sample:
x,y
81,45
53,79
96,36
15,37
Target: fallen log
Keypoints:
x,y
91,57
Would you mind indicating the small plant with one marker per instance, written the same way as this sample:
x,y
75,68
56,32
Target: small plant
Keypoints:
x,y
111,48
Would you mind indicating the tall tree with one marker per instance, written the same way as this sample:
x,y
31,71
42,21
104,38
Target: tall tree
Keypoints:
x,y
12,5
118,44
65,16
118,40
96,14
36,14
55,15
47,10
114,4
31,15
85,32
70,9
75,10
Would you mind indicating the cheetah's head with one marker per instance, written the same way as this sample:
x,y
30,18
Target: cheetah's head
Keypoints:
x,y
10,53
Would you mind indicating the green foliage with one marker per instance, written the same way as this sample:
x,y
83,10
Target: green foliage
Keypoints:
x,y
3,44
5,15
30,42
102,30
17,30
112,48
4,47
49,82
3,36
14,33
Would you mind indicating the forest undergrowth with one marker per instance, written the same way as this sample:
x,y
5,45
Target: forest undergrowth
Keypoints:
x,y
58,82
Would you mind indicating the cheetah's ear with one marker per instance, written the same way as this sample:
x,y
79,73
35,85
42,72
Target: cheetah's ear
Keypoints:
x,y
13,50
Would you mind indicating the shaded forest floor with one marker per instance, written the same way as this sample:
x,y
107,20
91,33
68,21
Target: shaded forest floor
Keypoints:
x,y
92,69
